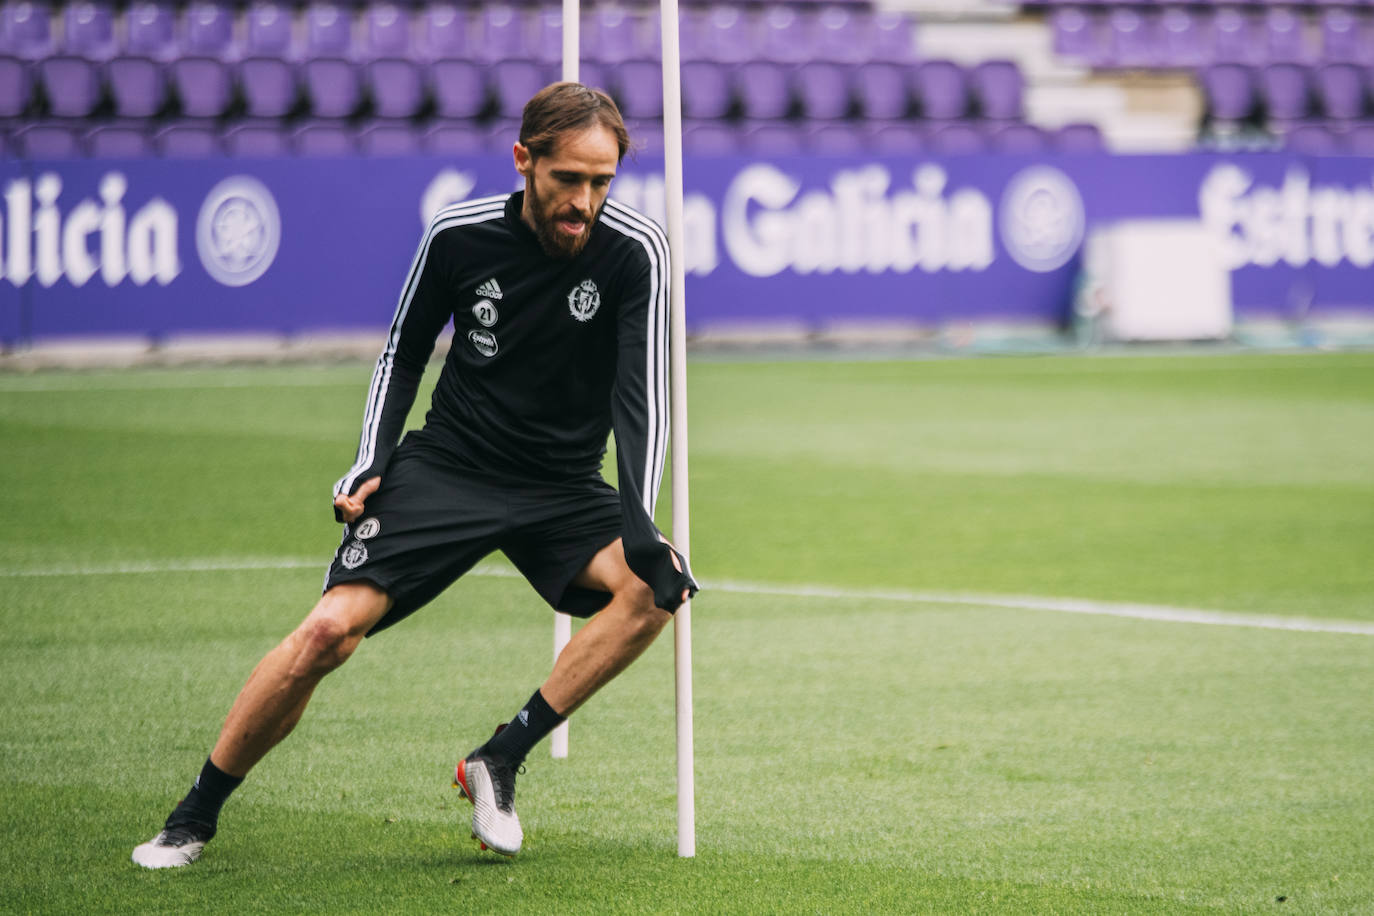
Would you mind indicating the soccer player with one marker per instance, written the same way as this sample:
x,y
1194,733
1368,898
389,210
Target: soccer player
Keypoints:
x,y
558,299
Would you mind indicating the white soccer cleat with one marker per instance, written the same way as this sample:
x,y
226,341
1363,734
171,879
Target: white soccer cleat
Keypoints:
x,y
491,789
171,848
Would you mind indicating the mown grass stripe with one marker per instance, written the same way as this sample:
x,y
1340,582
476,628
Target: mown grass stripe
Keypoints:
x,y
1134,611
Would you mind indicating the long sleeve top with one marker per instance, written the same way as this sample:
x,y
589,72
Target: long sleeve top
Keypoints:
x,y
548,357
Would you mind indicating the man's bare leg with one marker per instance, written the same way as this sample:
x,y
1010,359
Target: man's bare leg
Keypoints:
x,y
265,712
275,696
601,649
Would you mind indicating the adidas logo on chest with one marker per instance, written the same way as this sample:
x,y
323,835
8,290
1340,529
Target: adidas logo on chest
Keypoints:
x,y
490,289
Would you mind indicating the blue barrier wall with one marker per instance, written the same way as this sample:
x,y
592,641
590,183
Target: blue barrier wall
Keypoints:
x,y
166,247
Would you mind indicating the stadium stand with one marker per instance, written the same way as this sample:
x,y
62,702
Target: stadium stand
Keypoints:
x,y
379,77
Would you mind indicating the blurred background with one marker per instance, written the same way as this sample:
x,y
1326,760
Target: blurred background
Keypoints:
x,y
195,180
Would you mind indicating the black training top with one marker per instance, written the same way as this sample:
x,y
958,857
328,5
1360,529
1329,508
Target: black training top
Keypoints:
x,y
548,356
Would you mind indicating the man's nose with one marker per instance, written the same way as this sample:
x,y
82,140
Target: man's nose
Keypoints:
x,y
582,198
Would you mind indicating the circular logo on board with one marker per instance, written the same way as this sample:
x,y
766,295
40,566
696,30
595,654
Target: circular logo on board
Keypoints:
x,y
367,528
1041,218
238,230
584,300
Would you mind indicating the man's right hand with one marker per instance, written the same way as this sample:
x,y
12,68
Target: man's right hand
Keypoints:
x,y
349,508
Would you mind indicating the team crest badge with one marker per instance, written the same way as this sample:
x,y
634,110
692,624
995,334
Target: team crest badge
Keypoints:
x,y
354,555
367,528
584,300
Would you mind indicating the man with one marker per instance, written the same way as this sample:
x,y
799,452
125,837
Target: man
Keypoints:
x,y
559,304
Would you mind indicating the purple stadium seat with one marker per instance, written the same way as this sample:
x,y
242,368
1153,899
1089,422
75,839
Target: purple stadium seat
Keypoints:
x,y
504,34
1344,37
136,76
392,74
639,88
709,138
763,89
1182,38
324,139
720,33
454,138
646,135
841,35
1230,91
88,29
942,88
501,135
772,138
998,88
72,85
459,86
73,80
1359,140
26,32
823,89
1074,33
706,89
612,33
783,36
396,85
836,138
957,138
881,90
514,81
208,30
44,140
256,139
1078,138
268,72
16,87
1019,138
119,140
1236,38
1340,91
900,138
204,78
1286,91
1311,140
1284,38
892,37
188,140
150,30
329,72
546,38
204,85
446,33
589,73
1132,39
389,138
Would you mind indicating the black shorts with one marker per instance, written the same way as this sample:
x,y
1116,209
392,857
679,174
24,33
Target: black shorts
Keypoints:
x,y
429,524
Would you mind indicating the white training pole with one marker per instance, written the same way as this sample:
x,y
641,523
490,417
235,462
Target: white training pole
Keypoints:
x,y
682,621
562,623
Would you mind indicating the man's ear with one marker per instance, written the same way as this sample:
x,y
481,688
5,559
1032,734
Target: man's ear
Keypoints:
x,y
524,163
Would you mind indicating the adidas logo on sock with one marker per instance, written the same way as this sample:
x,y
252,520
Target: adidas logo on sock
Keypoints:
x,y
525,717
490,289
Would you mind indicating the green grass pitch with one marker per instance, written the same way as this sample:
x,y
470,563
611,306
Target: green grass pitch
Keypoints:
x,y
855,753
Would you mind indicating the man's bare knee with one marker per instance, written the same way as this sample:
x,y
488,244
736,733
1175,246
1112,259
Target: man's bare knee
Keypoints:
x,y
334,629
647,618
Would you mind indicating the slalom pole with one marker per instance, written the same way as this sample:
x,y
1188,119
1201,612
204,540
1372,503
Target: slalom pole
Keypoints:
x,y
682,620
562,623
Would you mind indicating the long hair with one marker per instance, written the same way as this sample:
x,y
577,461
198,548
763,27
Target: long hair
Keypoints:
x,y
561,107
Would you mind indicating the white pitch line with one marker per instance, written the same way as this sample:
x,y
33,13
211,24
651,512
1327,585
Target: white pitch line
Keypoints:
x,y
1161,613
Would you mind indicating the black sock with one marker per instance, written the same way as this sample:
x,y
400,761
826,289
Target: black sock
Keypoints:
x,y
527,729
201,805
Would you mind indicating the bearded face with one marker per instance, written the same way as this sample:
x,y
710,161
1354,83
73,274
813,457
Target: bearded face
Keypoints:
x,y
561,227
